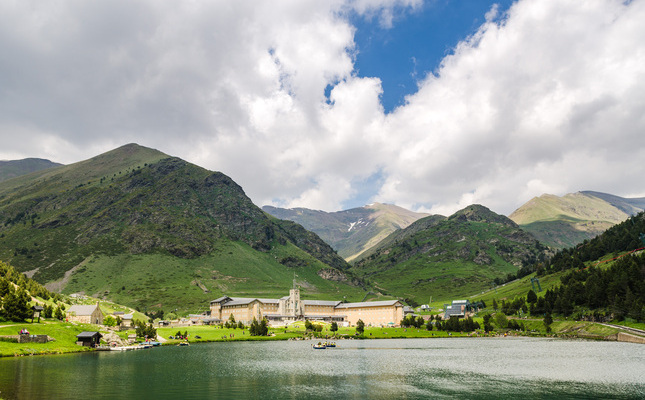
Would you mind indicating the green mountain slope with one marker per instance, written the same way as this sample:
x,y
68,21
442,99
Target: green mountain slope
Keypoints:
x,y
453,256
137,226
602,279
565,221
354,231
15,168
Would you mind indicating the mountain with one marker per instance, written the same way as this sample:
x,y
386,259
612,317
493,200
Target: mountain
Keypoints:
x,y
12,169
443,257
350,232
148,230
568,220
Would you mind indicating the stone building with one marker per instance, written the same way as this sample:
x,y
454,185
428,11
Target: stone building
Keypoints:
x,y
86,314
292,308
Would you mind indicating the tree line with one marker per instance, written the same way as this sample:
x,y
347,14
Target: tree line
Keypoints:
x,y
16,291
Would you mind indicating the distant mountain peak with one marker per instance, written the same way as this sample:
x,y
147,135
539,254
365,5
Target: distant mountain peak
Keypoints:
x,y
564,221
351,232
14,168
479,213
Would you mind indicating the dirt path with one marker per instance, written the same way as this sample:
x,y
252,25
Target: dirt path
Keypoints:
x,y
625,328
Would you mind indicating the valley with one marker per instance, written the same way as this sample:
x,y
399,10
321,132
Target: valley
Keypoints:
x,y
153,232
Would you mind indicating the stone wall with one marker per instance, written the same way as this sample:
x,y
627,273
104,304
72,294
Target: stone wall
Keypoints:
x,y
626,337
33,338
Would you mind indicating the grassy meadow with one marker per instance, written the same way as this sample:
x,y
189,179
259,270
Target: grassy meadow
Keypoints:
x,y
157,281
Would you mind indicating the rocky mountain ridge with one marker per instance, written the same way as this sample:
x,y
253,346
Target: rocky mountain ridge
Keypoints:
x,y
354,231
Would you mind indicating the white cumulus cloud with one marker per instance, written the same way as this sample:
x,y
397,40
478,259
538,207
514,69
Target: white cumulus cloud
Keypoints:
x,y
545,97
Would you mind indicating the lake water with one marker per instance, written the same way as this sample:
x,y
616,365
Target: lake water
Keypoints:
x,y
465,368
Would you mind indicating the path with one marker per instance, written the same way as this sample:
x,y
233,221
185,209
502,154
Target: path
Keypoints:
x,y
625,328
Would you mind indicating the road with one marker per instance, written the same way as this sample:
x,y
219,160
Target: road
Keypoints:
x,y
626,328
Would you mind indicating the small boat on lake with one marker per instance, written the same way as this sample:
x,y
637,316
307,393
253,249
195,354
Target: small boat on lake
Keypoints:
x,y
329,344
183,344
124,348
319,346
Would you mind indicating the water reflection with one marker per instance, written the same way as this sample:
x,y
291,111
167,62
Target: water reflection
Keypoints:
x,y
379,369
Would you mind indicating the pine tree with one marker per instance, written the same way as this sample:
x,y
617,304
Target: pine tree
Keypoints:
x,y
264,327
360,327
59,315
16,305
254,328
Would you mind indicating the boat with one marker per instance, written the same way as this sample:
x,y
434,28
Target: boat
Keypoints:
x,y
319,346
330,344
183,344
124,348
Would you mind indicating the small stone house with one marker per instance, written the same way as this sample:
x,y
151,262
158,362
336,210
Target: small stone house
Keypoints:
x,y
91,314
127,321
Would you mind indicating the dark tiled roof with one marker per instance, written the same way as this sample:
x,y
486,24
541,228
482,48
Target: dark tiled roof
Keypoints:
x,y
88,335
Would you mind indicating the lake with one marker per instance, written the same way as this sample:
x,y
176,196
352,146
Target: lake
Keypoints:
x,y
465,368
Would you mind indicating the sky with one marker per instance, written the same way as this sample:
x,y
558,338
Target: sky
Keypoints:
x,y
430,105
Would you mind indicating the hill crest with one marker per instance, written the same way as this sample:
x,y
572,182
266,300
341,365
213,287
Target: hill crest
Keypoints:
x,y
134,204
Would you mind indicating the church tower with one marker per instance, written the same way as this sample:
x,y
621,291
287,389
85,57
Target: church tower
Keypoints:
x,y
295,307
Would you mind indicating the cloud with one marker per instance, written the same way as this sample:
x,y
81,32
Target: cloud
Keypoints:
x,y
547,97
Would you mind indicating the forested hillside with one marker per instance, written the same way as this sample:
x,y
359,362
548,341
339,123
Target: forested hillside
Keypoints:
x,y
602,279
16,291
626,236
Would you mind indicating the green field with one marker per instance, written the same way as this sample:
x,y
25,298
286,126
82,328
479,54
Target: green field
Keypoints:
x,y
64,334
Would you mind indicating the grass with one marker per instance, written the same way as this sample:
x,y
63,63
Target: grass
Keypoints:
x,y
449,258
64,334
521,287
630,324
297,330
156,281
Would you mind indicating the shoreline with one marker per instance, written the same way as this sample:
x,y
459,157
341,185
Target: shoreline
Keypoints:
x,y
445,335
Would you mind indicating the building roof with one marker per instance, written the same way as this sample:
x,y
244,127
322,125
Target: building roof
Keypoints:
x,y
127,317
219,299
455,310
459,302
235,301
370,304
82,309
331,303
269,301
88,335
